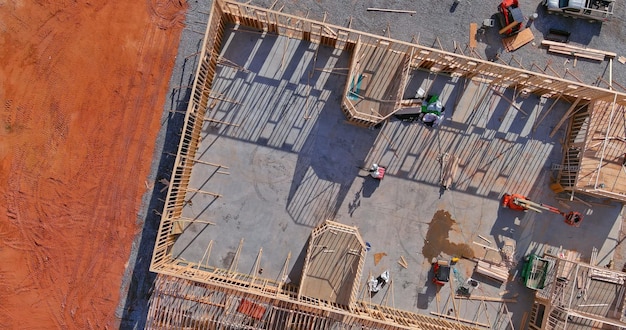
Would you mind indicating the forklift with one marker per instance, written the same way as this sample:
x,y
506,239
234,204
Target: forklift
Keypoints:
x,y
521,203
510,17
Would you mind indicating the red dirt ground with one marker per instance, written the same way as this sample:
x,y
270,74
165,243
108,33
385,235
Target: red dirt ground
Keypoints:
x,y
82,88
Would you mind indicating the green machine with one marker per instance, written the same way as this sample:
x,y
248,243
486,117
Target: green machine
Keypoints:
x,y
535,271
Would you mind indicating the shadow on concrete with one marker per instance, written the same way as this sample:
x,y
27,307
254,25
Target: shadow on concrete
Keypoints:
x,y
327,166
425,297
139,279
369,186
295,273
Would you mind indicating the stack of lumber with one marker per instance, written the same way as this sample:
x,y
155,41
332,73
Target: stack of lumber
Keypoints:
x,y
496,272
607,276
588,53
449,167
523,37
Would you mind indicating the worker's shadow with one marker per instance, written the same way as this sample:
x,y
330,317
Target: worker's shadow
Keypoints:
x,y
427,294
369,186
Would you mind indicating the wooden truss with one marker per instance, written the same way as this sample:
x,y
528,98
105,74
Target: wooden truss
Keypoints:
x,y
178,303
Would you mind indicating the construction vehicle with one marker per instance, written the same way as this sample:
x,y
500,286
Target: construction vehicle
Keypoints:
x,y
535,271
510,17
521,203
594,10
441,272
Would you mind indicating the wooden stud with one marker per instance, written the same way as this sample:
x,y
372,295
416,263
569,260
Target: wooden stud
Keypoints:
x,y
256,268
207,255
195,221
508,100
484,238
234,263
483,298
610,73
220,122
204,192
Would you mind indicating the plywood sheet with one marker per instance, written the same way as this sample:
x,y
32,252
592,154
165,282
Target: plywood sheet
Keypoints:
x,y
523,37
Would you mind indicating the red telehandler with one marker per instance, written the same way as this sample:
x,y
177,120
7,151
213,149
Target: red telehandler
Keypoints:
x,y
521,203
510,17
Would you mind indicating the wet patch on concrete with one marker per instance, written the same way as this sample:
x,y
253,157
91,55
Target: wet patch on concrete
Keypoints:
x,y
438,238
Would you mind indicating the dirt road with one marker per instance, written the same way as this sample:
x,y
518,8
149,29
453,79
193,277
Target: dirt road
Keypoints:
x,y
82,88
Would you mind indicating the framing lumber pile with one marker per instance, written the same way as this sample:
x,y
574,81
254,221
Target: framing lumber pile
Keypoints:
x,y
523,37
588,53
496,272
607,276
449,167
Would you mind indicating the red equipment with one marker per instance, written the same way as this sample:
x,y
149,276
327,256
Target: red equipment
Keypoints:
x,y
441,272
510,16
522,203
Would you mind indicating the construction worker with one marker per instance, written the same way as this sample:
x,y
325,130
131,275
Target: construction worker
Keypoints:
x,y
377,172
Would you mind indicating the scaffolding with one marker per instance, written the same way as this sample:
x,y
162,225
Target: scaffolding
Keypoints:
x,y
579,296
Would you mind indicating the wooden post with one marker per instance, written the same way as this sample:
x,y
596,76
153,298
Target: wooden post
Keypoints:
x,y
255,268
235,262
207,255
611,73
283,273
548,111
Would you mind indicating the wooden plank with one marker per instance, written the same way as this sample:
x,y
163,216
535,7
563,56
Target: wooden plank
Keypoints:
x,y
392,10
484,298
472,35
508,27
591,56
462,320
574,48
518,40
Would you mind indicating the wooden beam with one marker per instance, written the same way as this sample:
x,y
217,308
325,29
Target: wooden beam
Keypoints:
x,y
194,221
574,48
210,164
508,27
487,247
462,320
204,192
484,298
207,255
567,113
547,112
234,263
508,100
392,10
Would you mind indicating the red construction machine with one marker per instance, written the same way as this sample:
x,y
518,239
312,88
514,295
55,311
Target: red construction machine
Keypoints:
x,y
522,203
510,17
